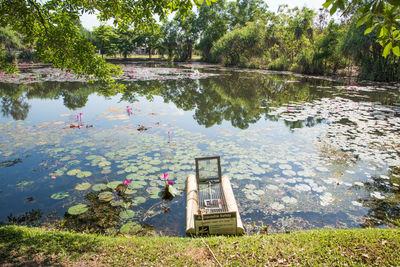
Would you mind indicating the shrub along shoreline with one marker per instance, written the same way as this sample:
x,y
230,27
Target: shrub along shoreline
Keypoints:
x,y
35,246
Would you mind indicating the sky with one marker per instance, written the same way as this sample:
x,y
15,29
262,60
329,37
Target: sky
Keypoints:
x,y
90,21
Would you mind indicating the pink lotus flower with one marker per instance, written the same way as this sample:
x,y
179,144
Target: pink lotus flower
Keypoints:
x,y
336,107
171,182
289,108
169,132
127,182
165,176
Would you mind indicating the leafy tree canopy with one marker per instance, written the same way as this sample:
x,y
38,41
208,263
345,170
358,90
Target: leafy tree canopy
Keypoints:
x,y
382,15
53,28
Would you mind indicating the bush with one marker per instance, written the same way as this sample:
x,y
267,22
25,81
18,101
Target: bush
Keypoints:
x,y
240,45
281,63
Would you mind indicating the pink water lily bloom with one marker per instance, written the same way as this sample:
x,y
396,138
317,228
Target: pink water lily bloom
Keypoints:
x,y
127,182
171,182
165,177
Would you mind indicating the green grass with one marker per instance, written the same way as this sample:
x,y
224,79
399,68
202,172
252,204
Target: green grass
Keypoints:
x,y
35,246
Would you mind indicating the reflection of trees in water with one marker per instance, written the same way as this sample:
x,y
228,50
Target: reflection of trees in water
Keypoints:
x,y
17,108
383,201
241,98
14,96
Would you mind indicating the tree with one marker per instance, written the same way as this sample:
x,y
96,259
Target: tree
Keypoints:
x,y
187,35
169,40
243,11
52,27
9,42
212,22
106,40
126,40
382,15
150,36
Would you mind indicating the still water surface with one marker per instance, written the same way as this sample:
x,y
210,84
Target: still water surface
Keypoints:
x,y
302,153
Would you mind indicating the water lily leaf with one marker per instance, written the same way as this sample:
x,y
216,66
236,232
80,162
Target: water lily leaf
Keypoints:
x,y
114,184
25,183
106,196
130,191
130,228
136,185
104,163
60,195
99,187
73,172
106,171
172,190
84,174
131,176
139,200
116,203
126,214
82,186
78,209
131,169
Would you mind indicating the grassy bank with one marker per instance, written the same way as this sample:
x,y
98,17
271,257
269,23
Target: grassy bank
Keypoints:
x,y
34,246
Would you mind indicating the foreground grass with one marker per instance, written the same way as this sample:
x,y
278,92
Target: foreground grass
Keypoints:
x,y
34,246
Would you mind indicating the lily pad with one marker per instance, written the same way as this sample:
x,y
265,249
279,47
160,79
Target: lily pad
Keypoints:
x,y
84,174
99,187
114,184
130,228
78,209
130,191
25,183
106,196
59,195
82,186
172,190
126,214
73,172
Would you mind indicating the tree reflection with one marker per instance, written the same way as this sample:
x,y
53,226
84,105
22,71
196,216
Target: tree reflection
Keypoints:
x,y
17,108
241,98
383,201
14,96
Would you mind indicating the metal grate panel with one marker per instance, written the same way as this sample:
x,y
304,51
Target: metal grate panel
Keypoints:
x,y
211,198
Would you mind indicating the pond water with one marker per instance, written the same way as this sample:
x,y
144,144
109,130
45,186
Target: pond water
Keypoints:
x,y
301,152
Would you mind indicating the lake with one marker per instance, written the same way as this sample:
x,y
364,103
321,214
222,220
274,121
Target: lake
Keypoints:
x,y
301,152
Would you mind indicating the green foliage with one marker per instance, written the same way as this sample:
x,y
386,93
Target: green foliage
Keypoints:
x,y
240,44
106,40
366,52
52,28
380,15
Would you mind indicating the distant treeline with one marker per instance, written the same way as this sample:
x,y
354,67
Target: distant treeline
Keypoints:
x,y
245,33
